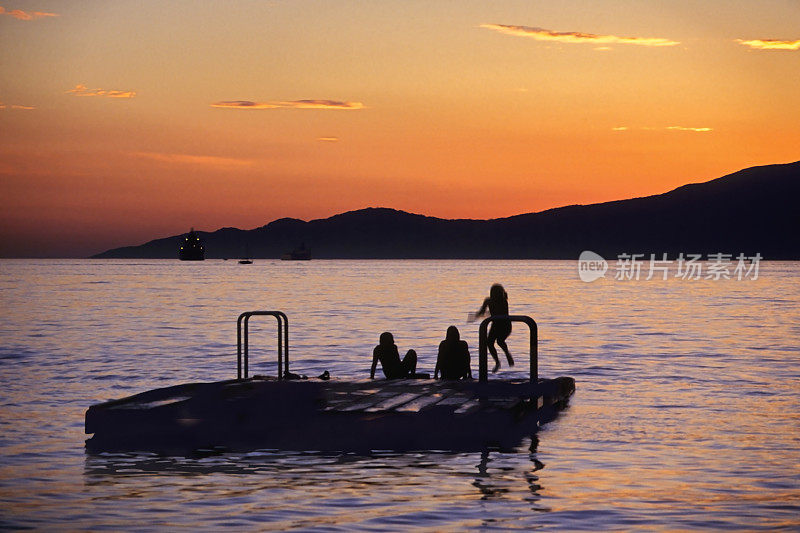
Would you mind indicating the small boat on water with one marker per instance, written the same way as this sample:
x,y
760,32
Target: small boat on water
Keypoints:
x,y
298,254
292,412
191,248
246,259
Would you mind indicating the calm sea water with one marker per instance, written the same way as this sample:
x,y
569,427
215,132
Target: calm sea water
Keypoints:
x,y
686,415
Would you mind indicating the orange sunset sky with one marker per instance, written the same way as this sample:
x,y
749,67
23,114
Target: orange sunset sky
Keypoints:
x,y
121,122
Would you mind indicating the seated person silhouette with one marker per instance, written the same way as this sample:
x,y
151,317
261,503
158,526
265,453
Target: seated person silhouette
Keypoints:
x,y
453,359
393,368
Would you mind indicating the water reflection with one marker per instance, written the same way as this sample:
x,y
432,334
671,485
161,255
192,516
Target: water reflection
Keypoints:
x,y
288,463
494,483
286,485
685,416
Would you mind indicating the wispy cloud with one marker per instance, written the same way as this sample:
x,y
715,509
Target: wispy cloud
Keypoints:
x,y
294,104
82,90
16,106
25,15
670,128
684,128
187,159
328,139
541,34
770,44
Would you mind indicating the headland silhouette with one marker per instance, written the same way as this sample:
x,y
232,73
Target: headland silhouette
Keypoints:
x,y
753,210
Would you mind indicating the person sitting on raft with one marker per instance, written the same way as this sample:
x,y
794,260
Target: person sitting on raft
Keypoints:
x,y
393,368
497,304
453,359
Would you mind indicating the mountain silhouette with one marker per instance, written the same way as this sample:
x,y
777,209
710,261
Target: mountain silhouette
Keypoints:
x,y
753,210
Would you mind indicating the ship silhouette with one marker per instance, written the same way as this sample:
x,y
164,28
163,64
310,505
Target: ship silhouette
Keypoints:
x,y
191,249
298,254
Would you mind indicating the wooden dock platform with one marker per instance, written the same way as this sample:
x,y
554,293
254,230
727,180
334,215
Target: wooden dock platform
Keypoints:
x,y
331,415
316,415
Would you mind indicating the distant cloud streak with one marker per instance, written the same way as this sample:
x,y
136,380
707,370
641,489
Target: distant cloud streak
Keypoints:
x,y
16,106
541,34
25,15
82,90
294,104
770,44
683,128
671,128
328,139
186,159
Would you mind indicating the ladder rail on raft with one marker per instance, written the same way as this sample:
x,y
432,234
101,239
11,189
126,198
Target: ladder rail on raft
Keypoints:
x,y
243,348
483,366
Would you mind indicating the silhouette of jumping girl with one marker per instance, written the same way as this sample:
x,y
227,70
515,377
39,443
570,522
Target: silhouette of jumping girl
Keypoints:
x,y
499,330
393,368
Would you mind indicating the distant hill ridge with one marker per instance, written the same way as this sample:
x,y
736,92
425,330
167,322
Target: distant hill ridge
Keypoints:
x,y
753,210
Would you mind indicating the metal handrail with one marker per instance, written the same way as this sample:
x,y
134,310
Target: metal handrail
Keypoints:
x,y
483,366
283,342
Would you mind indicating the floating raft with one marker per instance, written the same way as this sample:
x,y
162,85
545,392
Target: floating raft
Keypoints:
x,y
333,415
